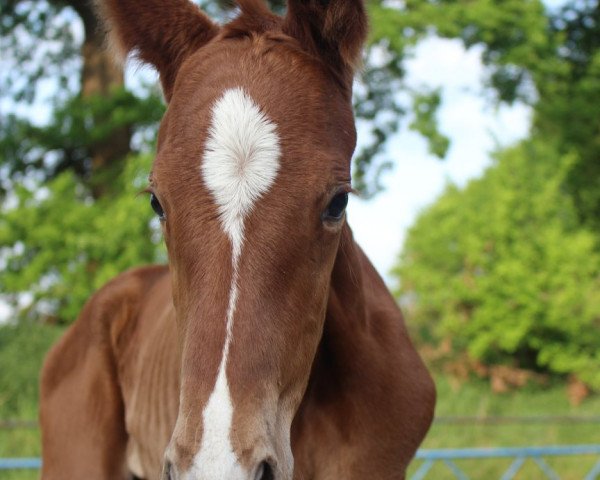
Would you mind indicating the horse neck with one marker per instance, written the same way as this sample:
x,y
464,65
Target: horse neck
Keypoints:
x,y
347,299
363,322
336,369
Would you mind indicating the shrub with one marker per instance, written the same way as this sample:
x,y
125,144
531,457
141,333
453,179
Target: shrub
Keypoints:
x,y
503,271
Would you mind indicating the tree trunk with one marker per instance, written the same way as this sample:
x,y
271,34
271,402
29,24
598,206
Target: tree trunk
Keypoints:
x,y
101,76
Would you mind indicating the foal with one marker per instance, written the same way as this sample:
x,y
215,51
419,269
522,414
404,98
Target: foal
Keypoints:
x,y
269,348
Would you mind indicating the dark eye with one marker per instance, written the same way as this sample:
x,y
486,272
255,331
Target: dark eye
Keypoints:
x,y
336,208
156,206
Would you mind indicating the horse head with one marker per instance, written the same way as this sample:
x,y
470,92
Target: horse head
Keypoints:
x,y
250,182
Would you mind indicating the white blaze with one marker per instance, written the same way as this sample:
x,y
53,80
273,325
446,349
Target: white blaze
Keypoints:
x,y
241,160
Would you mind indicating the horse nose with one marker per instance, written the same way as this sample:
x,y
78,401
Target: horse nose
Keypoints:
x,y
264,471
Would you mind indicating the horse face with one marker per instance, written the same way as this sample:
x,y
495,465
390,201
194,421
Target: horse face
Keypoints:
x,y
253,176
251,181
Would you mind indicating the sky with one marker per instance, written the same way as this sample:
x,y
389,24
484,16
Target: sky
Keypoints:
x,y
475,126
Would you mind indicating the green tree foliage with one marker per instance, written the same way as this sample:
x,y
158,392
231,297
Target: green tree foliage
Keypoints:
x,y
548,59
69,215
67,227
503,270
59,244
37,44
76,129
507,269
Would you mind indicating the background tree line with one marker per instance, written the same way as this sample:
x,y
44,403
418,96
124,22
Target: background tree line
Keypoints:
x,y
504,271
507,270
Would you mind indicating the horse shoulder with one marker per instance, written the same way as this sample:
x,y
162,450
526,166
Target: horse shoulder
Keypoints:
x,y
81,404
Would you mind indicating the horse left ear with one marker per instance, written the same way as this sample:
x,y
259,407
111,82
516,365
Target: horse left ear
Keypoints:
x,y
162,33
335,30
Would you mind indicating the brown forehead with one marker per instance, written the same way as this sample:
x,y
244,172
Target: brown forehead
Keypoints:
x,y
298,93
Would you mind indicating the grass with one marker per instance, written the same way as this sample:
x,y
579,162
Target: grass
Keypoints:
x,y
476,399
20,442
22,349
472,398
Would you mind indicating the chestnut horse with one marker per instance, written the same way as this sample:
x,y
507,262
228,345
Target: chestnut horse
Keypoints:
x,y
269,348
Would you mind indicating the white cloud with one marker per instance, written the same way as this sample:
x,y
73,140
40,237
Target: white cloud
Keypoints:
x,y
472,124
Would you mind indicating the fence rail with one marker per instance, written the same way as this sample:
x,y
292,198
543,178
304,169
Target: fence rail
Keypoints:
x,y
20,463
520,454
505,420
431,457
446,456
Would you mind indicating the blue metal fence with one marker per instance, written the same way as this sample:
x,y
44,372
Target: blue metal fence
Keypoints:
x,y
447,457
520,455
428,458
20,463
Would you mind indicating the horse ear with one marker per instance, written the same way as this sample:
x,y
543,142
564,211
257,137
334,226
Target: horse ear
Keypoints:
x,y
161,33
333,29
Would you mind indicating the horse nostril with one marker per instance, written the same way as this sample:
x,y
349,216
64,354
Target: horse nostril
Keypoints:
x,y
167,473
264,472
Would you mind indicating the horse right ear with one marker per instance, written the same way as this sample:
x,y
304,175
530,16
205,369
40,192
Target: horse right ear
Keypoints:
x,y
335,30
159,32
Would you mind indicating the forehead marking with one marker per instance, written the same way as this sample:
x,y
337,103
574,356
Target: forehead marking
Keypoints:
x,y
240,163
241,159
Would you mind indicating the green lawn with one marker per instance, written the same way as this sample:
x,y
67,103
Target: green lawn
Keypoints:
x,y
21,442
468,399
476,399
22,349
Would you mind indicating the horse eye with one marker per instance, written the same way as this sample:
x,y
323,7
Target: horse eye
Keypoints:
x,y
156,206
336,208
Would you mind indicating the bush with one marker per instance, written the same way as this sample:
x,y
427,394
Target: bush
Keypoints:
x,y
58,245
502,270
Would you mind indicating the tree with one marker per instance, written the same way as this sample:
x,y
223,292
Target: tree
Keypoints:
x,y
547,59
503,270
70,216
508,274
59,244
24,24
